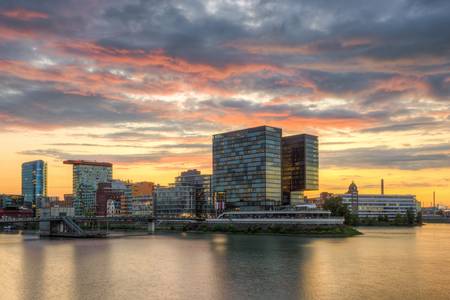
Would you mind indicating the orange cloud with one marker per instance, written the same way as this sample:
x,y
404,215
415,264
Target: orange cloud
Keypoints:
x,y
159,59
24,14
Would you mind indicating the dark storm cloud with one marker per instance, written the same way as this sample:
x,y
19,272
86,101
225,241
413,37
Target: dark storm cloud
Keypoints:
x,y
440,85
291,110
406,39
113,158
48,108
412,158
423,124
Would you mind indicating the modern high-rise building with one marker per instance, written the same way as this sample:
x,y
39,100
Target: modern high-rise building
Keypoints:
x,y
86,177
247,169
34,181
300,166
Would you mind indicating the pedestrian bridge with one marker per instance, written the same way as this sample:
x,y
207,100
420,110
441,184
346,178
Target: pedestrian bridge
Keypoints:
x,y
64,226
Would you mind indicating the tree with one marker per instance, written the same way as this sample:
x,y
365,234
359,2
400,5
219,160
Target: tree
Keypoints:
x,y
338,209
410,218
398,220
419,218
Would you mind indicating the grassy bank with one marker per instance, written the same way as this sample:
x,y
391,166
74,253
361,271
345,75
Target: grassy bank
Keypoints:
x,y
316,231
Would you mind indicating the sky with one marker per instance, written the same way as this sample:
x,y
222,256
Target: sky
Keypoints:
x,y
145,84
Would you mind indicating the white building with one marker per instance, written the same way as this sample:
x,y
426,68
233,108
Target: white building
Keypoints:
x,y
376,205
62,211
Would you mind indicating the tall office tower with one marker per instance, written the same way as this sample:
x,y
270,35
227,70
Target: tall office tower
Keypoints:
x,y
247,169
86,177
300,167
34,181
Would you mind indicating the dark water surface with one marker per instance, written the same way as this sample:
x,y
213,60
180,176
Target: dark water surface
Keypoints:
x,y
384,263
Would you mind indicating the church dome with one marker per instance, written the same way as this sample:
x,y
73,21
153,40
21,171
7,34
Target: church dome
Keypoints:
x,y
352,188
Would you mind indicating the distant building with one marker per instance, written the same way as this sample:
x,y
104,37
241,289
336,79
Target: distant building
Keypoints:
x,y
203,194
379,205
45,202
86,176
142,188
141,201
8,200
68,200
116,192
142,205
176,201
300,167
14,212
247,169
56,211
34,181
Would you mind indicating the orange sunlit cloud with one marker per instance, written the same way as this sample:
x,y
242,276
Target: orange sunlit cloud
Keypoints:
x,y
148,92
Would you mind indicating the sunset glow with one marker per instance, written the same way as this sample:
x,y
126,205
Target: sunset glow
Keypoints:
x,y
145,86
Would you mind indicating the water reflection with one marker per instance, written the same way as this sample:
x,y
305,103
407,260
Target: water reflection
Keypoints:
x,y
386,263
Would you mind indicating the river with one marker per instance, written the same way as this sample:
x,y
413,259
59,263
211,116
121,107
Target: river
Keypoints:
x,y
384,263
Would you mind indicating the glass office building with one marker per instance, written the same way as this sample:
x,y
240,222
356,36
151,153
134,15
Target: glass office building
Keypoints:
x,y
300,166
86,177
247,169
34,181
203,195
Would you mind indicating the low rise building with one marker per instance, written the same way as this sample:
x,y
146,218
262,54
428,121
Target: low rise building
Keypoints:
x,y
8,200
142,205
116,192
204,205
379,205
175,201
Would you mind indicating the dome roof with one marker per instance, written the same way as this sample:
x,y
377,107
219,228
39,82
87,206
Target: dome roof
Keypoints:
x,y
352,188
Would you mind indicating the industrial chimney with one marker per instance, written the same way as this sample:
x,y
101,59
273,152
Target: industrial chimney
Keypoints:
x,y
382,186
434,200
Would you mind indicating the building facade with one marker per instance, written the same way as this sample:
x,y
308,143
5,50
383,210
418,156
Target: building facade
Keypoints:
x,y
116,191
8,200
142,205
86,177
34,181
175,201
143,188
247,169
379,205
203,195
300,167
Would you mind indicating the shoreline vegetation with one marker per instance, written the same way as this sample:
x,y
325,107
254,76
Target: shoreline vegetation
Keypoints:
x,y
316,231
309,231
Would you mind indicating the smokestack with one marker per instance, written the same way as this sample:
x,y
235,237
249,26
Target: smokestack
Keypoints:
x,y
434,200
382,186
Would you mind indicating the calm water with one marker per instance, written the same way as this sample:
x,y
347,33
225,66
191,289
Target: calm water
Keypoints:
x,y
384,263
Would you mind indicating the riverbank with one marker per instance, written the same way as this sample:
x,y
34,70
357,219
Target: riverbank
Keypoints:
x,y
310,231
335,231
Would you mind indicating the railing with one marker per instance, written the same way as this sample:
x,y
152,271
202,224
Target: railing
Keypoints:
x,y
72,225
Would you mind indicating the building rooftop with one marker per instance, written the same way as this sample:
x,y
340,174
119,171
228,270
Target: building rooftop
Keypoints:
x,y
87,163
244,130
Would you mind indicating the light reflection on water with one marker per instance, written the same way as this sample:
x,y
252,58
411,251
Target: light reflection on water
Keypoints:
x,y
384,263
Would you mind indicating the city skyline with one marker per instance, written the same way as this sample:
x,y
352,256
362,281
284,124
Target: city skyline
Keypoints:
x,y
145,86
